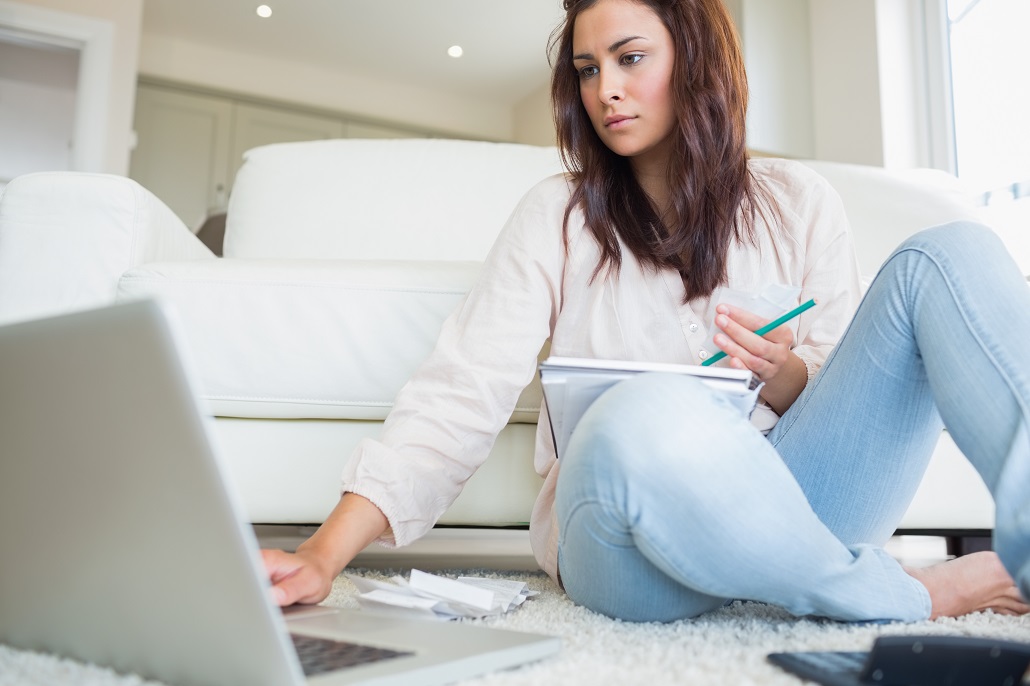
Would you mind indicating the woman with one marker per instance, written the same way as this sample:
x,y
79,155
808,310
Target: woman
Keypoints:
x,y
668,502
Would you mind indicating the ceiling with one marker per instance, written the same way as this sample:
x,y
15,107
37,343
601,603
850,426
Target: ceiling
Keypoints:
x,y
401,41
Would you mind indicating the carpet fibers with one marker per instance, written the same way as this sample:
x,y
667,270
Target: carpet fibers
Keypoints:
x,y
727,646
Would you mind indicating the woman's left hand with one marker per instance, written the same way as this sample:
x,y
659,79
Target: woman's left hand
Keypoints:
x,y
769,357
763,355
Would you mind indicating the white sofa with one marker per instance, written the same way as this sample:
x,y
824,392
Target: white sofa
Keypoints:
x,y
342,258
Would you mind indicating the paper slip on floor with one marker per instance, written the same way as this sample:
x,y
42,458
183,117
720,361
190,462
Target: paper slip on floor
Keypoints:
x,y
430,596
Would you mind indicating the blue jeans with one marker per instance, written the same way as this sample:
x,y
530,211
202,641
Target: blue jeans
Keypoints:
x,y
669,502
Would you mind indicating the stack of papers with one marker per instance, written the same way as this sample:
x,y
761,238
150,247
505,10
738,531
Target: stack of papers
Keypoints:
x,y
436,597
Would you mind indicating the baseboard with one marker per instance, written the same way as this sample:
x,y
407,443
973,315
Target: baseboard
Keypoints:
x,y
442,548
959,541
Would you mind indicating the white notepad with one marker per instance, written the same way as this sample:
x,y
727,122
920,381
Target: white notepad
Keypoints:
x,y
572,384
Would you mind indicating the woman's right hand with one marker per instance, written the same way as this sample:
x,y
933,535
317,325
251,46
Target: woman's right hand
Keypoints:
x,y
300,577
306,576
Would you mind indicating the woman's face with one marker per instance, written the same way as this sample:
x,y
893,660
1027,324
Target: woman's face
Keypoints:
x,y
624,56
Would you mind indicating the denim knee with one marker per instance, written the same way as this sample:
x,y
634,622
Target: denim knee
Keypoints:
x,y
641,424
963,239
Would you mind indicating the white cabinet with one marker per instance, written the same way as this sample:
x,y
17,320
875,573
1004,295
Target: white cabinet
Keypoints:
x,y
191,143
182,151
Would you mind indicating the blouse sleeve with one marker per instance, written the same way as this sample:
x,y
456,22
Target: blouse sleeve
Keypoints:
x,y
830,272
445,419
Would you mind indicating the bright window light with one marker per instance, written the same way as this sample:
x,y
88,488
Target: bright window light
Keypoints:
x,y
989,58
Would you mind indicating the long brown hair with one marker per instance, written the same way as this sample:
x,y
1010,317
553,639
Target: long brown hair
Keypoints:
x,y
713,191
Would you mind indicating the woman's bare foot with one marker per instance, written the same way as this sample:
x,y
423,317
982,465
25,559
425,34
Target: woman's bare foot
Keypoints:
x,y
969,584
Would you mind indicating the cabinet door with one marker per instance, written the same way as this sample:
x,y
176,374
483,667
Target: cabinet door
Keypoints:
x,y
257,125
182,152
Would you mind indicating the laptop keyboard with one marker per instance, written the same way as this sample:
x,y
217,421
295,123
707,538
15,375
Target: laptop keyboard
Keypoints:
x,y
320,655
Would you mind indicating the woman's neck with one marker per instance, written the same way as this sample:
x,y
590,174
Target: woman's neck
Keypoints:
x,y
654,181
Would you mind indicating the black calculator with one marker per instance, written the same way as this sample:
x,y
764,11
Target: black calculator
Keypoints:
x,y
915,661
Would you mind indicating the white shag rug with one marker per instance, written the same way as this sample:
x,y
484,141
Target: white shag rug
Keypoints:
x,y
727,646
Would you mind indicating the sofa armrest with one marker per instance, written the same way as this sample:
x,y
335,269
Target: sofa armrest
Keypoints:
x,y
67,237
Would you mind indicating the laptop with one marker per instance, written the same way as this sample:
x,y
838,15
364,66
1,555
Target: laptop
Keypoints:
x,y
124,546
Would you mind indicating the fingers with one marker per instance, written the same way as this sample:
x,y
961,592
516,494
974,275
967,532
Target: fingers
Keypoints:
x,y
739,357
302,587
281,567
762,355
745,318
294,579
741,326
279,564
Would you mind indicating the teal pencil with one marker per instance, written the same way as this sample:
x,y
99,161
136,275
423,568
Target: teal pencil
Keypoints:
x,y
767,328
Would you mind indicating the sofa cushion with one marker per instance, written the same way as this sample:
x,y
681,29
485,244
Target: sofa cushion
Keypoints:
x,y
317,339
886,206
382,199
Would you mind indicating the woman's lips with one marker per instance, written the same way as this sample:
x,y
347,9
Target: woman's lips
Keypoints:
x,y
616,121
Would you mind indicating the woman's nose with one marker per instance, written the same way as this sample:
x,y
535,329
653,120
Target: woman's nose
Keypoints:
x,y
611,87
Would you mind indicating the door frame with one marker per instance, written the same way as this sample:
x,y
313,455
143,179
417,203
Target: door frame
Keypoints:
x,y
94,40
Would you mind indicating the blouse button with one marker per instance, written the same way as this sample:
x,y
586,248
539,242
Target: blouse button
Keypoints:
x,y
693,327
703,354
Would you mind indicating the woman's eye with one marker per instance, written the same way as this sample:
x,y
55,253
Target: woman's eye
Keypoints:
x,y
587,72
631,59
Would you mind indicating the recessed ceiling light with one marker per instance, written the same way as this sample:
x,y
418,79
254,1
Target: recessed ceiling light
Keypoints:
x,y
455,51
264,11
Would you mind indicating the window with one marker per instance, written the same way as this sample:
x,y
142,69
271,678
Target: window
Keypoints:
x,y
989,56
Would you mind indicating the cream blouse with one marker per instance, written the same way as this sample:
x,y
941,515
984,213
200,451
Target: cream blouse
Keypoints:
x,y
446,418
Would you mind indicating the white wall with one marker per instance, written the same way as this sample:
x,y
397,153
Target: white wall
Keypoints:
x,y
846,81
315,85
124,17
736,9
875,90
533,118
777,54
37,108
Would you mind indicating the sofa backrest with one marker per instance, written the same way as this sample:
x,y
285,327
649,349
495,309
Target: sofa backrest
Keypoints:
x,y
884,206
379,199
438,199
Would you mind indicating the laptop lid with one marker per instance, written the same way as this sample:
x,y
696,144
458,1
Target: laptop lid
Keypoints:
x,y
122,545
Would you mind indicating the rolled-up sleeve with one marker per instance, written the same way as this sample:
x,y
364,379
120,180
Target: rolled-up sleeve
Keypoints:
x,y
445,419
